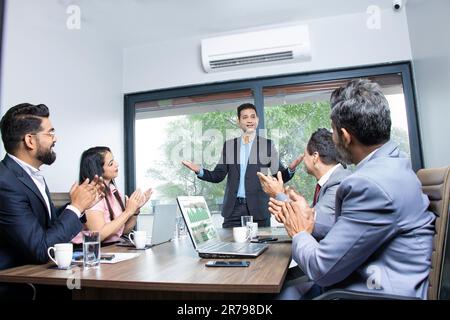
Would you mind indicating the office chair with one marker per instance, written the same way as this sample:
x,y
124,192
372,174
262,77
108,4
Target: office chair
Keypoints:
x,y
60,199
17,291
436,185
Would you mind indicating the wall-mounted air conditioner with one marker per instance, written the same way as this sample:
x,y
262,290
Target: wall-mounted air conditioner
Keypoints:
x,y
289,44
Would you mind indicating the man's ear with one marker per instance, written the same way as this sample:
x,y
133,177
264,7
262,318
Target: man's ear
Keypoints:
x,y
30,143
346,137
316,157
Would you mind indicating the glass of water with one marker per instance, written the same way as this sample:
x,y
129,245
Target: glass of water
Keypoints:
x,y
91,249
180,227
247,221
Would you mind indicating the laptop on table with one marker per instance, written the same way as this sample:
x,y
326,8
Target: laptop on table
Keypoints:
x,y
163,228
204,236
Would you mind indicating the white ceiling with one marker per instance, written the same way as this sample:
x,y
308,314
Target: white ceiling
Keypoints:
x,y
136,22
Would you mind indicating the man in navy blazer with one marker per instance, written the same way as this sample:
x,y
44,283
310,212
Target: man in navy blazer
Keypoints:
x,y
383,236
242,158
29,223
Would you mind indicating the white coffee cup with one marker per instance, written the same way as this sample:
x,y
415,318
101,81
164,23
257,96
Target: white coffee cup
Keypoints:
x,y
63,254
138,238
240,234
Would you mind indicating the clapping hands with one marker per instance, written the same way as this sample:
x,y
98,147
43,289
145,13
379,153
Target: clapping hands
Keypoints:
x,y
271,185
296,215
137,200
84,196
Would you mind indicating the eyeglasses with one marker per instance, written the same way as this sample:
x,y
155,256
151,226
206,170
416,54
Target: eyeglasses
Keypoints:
x,y
51,134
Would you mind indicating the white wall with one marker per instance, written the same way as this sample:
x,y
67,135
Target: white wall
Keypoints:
x,y
337,42
74,73
81,77
429,25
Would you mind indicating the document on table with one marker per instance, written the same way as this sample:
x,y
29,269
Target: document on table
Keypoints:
x,y
121,256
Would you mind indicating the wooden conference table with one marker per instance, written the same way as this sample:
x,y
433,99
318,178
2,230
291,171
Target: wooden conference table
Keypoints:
x,y
171,270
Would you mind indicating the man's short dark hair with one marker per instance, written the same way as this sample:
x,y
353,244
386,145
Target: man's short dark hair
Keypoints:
x,y
245,106
20,120
321,141
361,108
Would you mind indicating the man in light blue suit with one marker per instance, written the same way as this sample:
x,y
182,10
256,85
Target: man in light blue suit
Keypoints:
x,y
383,236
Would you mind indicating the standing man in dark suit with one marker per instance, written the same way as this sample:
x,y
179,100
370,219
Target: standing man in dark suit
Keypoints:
x,y
29,223
322,161
243,194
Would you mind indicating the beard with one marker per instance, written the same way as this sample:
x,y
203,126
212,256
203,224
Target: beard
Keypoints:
x,y
344,155
46,156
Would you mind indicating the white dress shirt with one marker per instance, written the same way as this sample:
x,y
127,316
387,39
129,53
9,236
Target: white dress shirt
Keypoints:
x,y
327,175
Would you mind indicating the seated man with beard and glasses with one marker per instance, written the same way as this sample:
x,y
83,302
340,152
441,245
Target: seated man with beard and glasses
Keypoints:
x,y
29,223
383,236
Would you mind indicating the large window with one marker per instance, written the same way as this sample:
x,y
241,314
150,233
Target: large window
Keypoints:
x,y
294,112
188,128
165,127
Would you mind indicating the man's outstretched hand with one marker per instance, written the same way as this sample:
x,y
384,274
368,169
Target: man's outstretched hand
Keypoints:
x,y
294,164
192,166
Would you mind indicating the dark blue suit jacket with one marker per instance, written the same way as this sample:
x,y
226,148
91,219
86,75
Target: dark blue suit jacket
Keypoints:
x,y
26,230
263,156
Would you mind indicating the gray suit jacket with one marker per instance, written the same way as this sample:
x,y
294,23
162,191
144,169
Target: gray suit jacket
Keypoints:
x,y
383,236
325,210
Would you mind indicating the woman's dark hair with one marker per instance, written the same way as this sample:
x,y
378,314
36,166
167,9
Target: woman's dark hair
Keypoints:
x,y
91,164
20,120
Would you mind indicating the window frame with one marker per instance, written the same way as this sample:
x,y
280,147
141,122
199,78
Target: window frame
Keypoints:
x,y
256,85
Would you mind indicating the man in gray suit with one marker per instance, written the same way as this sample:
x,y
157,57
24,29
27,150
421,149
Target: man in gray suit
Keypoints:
x,y
321,161
383,236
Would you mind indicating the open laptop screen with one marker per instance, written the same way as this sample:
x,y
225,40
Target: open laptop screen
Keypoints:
x,y
198,219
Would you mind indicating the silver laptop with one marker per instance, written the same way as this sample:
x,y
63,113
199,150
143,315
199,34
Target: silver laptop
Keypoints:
x,y
204,236
164,221
163,226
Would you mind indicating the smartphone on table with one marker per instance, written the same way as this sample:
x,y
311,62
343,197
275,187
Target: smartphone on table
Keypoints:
x,y
107,256
218,263
264,239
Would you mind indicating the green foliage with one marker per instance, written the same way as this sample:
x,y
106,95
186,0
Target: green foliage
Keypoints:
x,y
186,133
290,126
400,136
296,123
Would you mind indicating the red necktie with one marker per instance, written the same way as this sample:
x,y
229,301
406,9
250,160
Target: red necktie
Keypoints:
x,y
316,194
